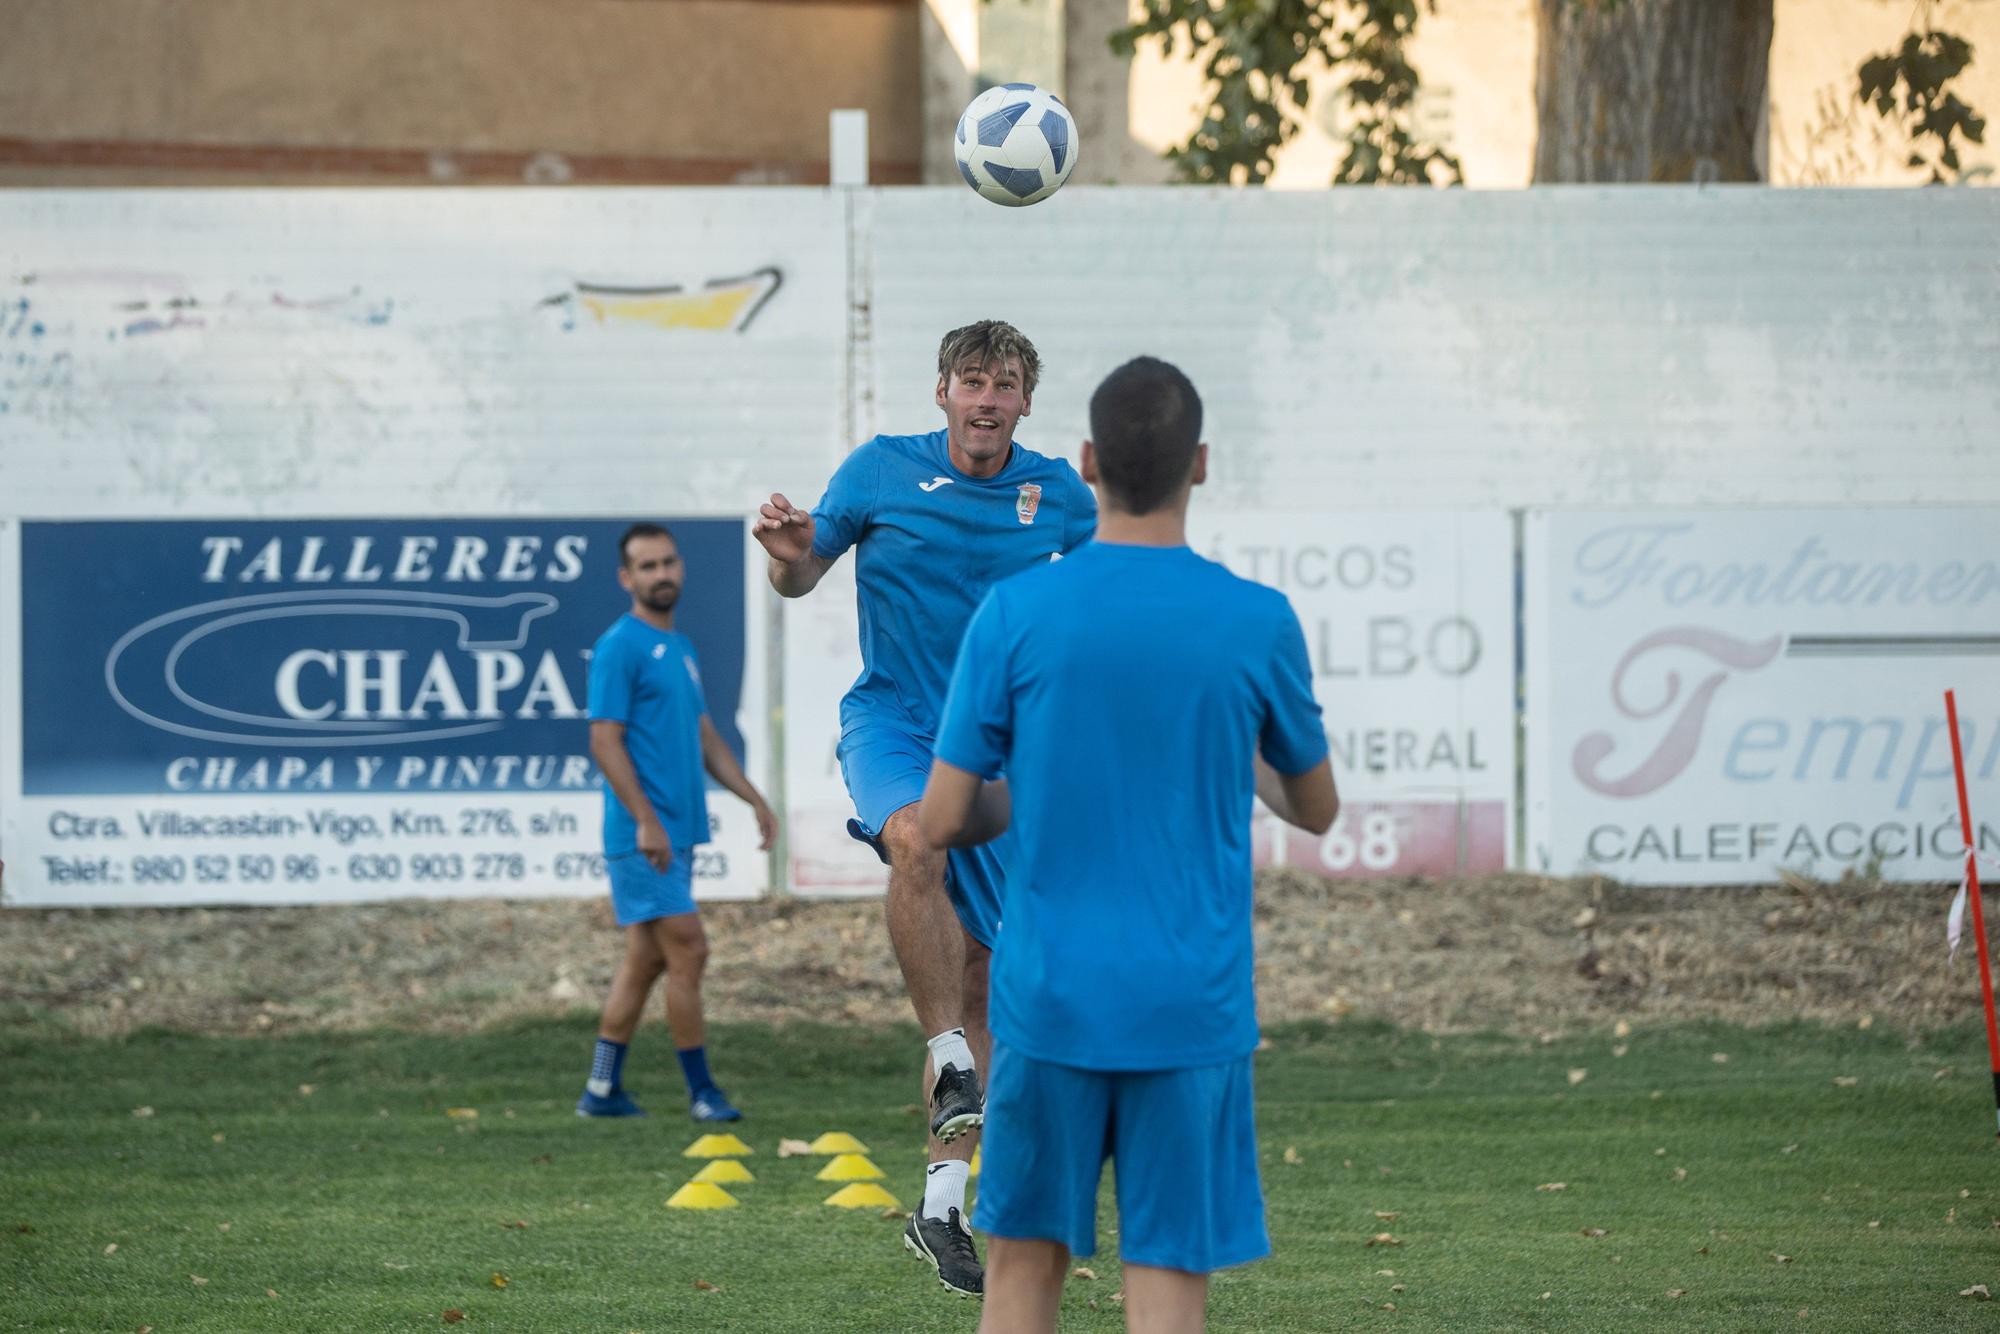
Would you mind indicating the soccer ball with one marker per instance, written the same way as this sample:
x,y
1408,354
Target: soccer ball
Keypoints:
x,y
1016,144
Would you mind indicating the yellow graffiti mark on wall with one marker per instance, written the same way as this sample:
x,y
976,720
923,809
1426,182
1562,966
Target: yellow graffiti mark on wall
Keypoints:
x,y
723,304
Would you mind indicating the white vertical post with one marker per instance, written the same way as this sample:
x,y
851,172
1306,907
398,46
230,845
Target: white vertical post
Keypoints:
x,y
847,147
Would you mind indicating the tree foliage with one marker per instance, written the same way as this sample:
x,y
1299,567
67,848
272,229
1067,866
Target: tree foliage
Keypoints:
x,y
1257,55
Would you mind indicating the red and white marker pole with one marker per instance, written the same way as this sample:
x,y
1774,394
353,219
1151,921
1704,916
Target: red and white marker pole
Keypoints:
x,y
1972,888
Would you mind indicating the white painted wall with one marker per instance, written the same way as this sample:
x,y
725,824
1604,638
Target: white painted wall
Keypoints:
x,y
393,352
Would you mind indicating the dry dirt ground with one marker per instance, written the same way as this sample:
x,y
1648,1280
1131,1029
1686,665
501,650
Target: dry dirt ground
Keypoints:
x,y
1515,954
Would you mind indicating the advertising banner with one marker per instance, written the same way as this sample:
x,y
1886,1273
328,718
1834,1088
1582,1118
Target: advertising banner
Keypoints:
x,y
1409,624
1718,695
242,711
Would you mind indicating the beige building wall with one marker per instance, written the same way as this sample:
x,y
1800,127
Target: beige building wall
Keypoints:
x,y
458,91
1477,62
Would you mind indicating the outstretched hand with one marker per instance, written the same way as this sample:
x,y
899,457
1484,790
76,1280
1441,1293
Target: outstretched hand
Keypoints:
x,y
784,530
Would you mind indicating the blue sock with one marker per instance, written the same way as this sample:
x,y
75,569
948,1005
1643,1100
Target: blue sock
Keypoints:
x,y
694,1066
607,1068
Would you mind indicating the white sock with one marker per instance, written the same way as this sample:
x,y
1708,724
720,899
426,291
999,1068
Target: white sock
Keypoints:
x,y
944,1189
949,1048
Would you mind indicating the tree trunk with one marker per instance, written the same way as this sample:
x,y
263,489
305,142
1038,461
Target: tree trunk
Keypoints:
x,y
1651,90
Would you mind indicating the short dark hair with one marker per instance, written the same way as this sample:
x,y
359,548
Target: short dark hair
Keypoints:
x,y
1145,424
985,343
643,529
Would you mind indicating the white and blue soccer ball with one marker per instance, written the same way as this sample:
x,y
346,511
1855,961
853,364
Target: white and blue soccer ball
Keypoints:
x,y
1016,144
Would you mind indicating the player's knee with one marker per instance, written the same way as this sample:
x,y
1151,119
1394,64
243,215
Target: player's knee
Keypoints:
x,y
690,951
907,846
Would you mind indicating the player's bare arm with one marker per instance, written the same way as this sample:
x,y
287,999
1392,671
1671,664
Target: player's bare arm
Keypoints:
x,y
786,534
959,810
721,763
1308,800
607,747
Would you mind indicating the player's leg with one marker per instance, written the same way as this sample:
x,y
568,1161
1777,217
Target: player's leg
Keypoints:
x,y
923,928
950,1167
886,770
684,944
1184,1151
603,1092
1024,1285
1165,1301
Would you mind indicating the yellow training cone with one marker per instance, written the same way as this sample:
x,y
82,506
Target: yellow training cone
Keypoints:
x,y
974,1171
701,1195
716,1146
863,1195
850,1167
724,1169
838,1141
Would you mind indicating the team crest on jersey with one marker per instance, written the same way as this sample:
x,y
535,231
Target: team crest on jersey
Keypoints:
x,y
1026,503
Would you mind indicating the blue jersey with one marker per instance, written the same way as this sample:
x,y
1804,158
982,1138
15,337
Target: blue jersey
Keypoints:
x,y
649,680
1123,692
931,542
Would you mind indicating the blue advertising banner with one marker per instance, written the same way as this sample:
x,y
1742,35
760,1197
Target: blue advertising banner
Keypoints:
x,y
413,689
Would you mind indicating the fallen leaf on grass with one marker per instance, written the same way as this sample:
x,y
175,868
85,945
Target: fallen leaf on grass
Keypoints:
x,y
1547,1295
1621,1029
1680,1174
894,1213
1660,1152
270,1292
391,1264
1977,1292
1388,1215
1964,1194
1874,1222
1595,1232
1388,1306
145,1329
1676,1292
462,1113
1385,1273
197,1280
541,1158
1620,1049
1118,1297
1399,1287
1088,1275
1789,1148
1846,1081
111,1249
703,1285
142,1112
1781,1259
218,1137
307,1090
1292,1155
521,1223
1577,1076
1943,1074
1550,1187
1720,1058
453,1316
499,1280
793,1148
1383,1239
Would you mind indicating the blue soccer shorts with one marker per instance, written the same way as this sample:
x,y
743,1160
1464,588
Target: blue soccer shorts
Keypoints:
x,y
639,893
1183,1147
886,769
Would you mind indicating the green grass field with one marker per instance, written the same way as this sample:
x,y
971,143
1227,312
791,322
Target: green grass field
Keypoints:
x,y
361,1205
